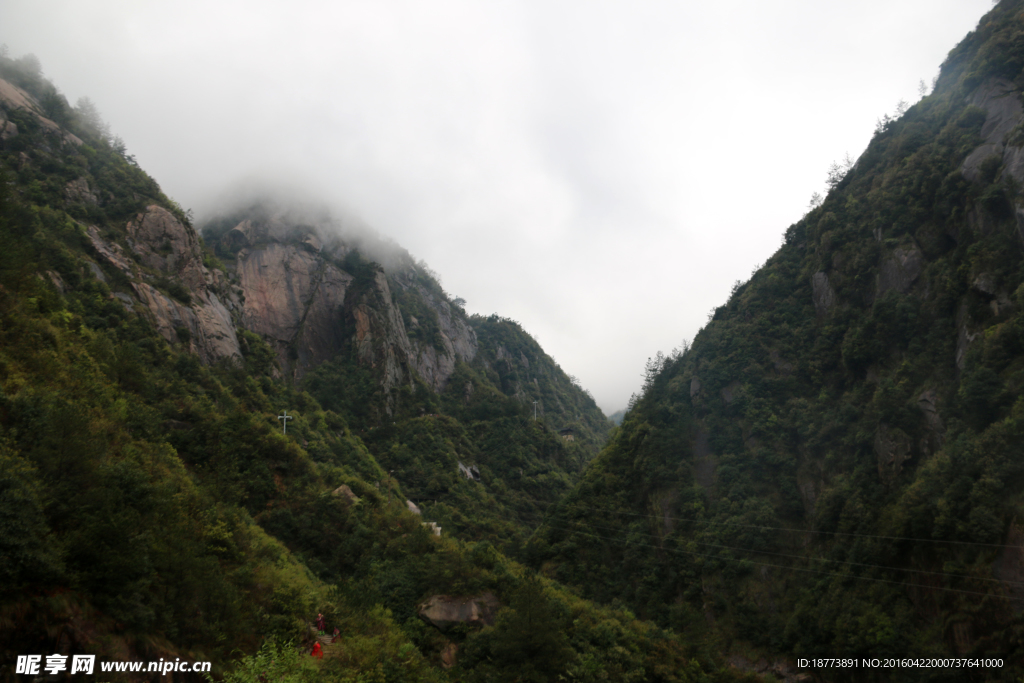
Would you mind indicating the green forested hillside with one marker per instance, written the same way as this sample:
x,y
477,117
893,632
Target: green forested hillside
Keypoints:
x,y
151,505
834,467
444,401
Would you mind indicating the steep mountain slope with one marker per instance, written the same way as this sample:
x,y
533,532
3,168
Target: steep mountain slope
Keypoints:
x,y
835,466
437,397
152,507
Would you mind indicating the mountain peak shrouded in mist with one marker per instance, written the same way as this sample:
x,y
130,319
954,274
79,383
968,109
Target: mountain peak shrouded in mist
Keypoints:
x,y
279,211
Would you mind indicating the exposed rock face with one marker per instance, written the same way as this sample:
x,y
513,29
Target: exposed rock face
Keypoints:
x,y
297,295
302,301
380,338
822,293
13,97
110,252
928,403
345,492
1003,109
783,367
444,611
164,244
449,655
900,270
964,335
293,298
472,472
8,129
210,333
730,392
893,448
77,191
458,340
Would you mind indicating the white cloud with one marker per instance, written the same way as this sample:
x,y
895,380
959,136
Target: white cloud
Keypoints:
x,y
600,171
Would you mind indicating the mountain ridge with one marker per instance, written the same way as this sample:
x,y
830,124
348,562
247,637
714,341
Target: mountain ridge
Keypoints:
x,y
839,444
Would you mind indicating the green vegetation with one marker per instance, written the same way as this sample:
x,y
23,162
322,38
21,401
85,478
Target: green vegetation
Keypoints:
x,y
150,505
834,466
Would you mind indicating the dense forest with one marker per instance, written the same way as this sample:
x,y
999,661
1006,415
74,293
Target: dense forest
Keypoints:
x,y
834,466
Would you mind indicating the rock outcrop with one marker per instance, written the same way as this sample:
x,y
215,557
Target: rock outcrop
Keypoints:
x,y
297,292
345,493
900,270
380,337
457,339
78,191
1003,111
288,282
293,298
167,248
936,434
13,97
822,294
445,611
892,448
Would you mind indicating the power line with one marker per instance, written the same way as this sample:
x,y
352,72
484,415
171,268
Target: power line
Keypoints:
x,y
800,531
816,559
811,571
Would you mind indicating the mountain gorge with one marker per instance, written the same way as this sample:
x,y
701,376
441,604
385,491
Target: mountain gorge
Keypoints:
x,y
152,503
212,432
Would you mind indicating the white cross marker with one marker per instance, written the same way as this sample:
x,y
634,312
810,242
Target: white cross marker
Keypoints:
x,y
284,417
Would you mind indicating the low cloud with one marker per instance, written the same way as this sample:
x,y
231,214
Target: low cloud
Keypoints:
x,y
601,172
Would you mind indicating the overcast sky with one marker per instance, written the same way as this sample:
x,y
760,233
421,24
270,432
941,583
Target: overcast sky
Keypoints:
x,y
601,172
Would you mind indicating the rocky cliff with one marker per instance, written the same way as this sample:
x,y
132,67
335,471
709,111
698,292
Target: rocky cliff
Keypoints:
x,y
164,267
312,292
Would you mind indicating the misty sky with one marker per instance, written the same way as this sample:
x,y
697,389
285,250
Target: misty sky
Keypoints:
x,y
601,172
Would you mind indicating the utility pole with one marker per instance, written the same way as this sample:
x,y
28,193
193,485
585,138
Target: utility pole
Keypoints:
x,y
284,417
534,411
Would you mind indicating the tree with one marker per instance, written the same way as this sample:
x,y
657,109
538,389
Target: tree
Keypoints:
x,y
55,105
837,171
89,118
530,641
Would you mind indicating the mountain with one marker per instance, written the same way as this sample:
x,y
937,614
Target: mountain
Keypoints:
x,y
372,336
204,443
833,467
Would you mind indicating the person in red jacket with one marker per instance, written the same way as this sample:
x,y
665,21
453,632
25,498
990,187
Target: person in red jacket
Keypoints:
x,y
317,652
